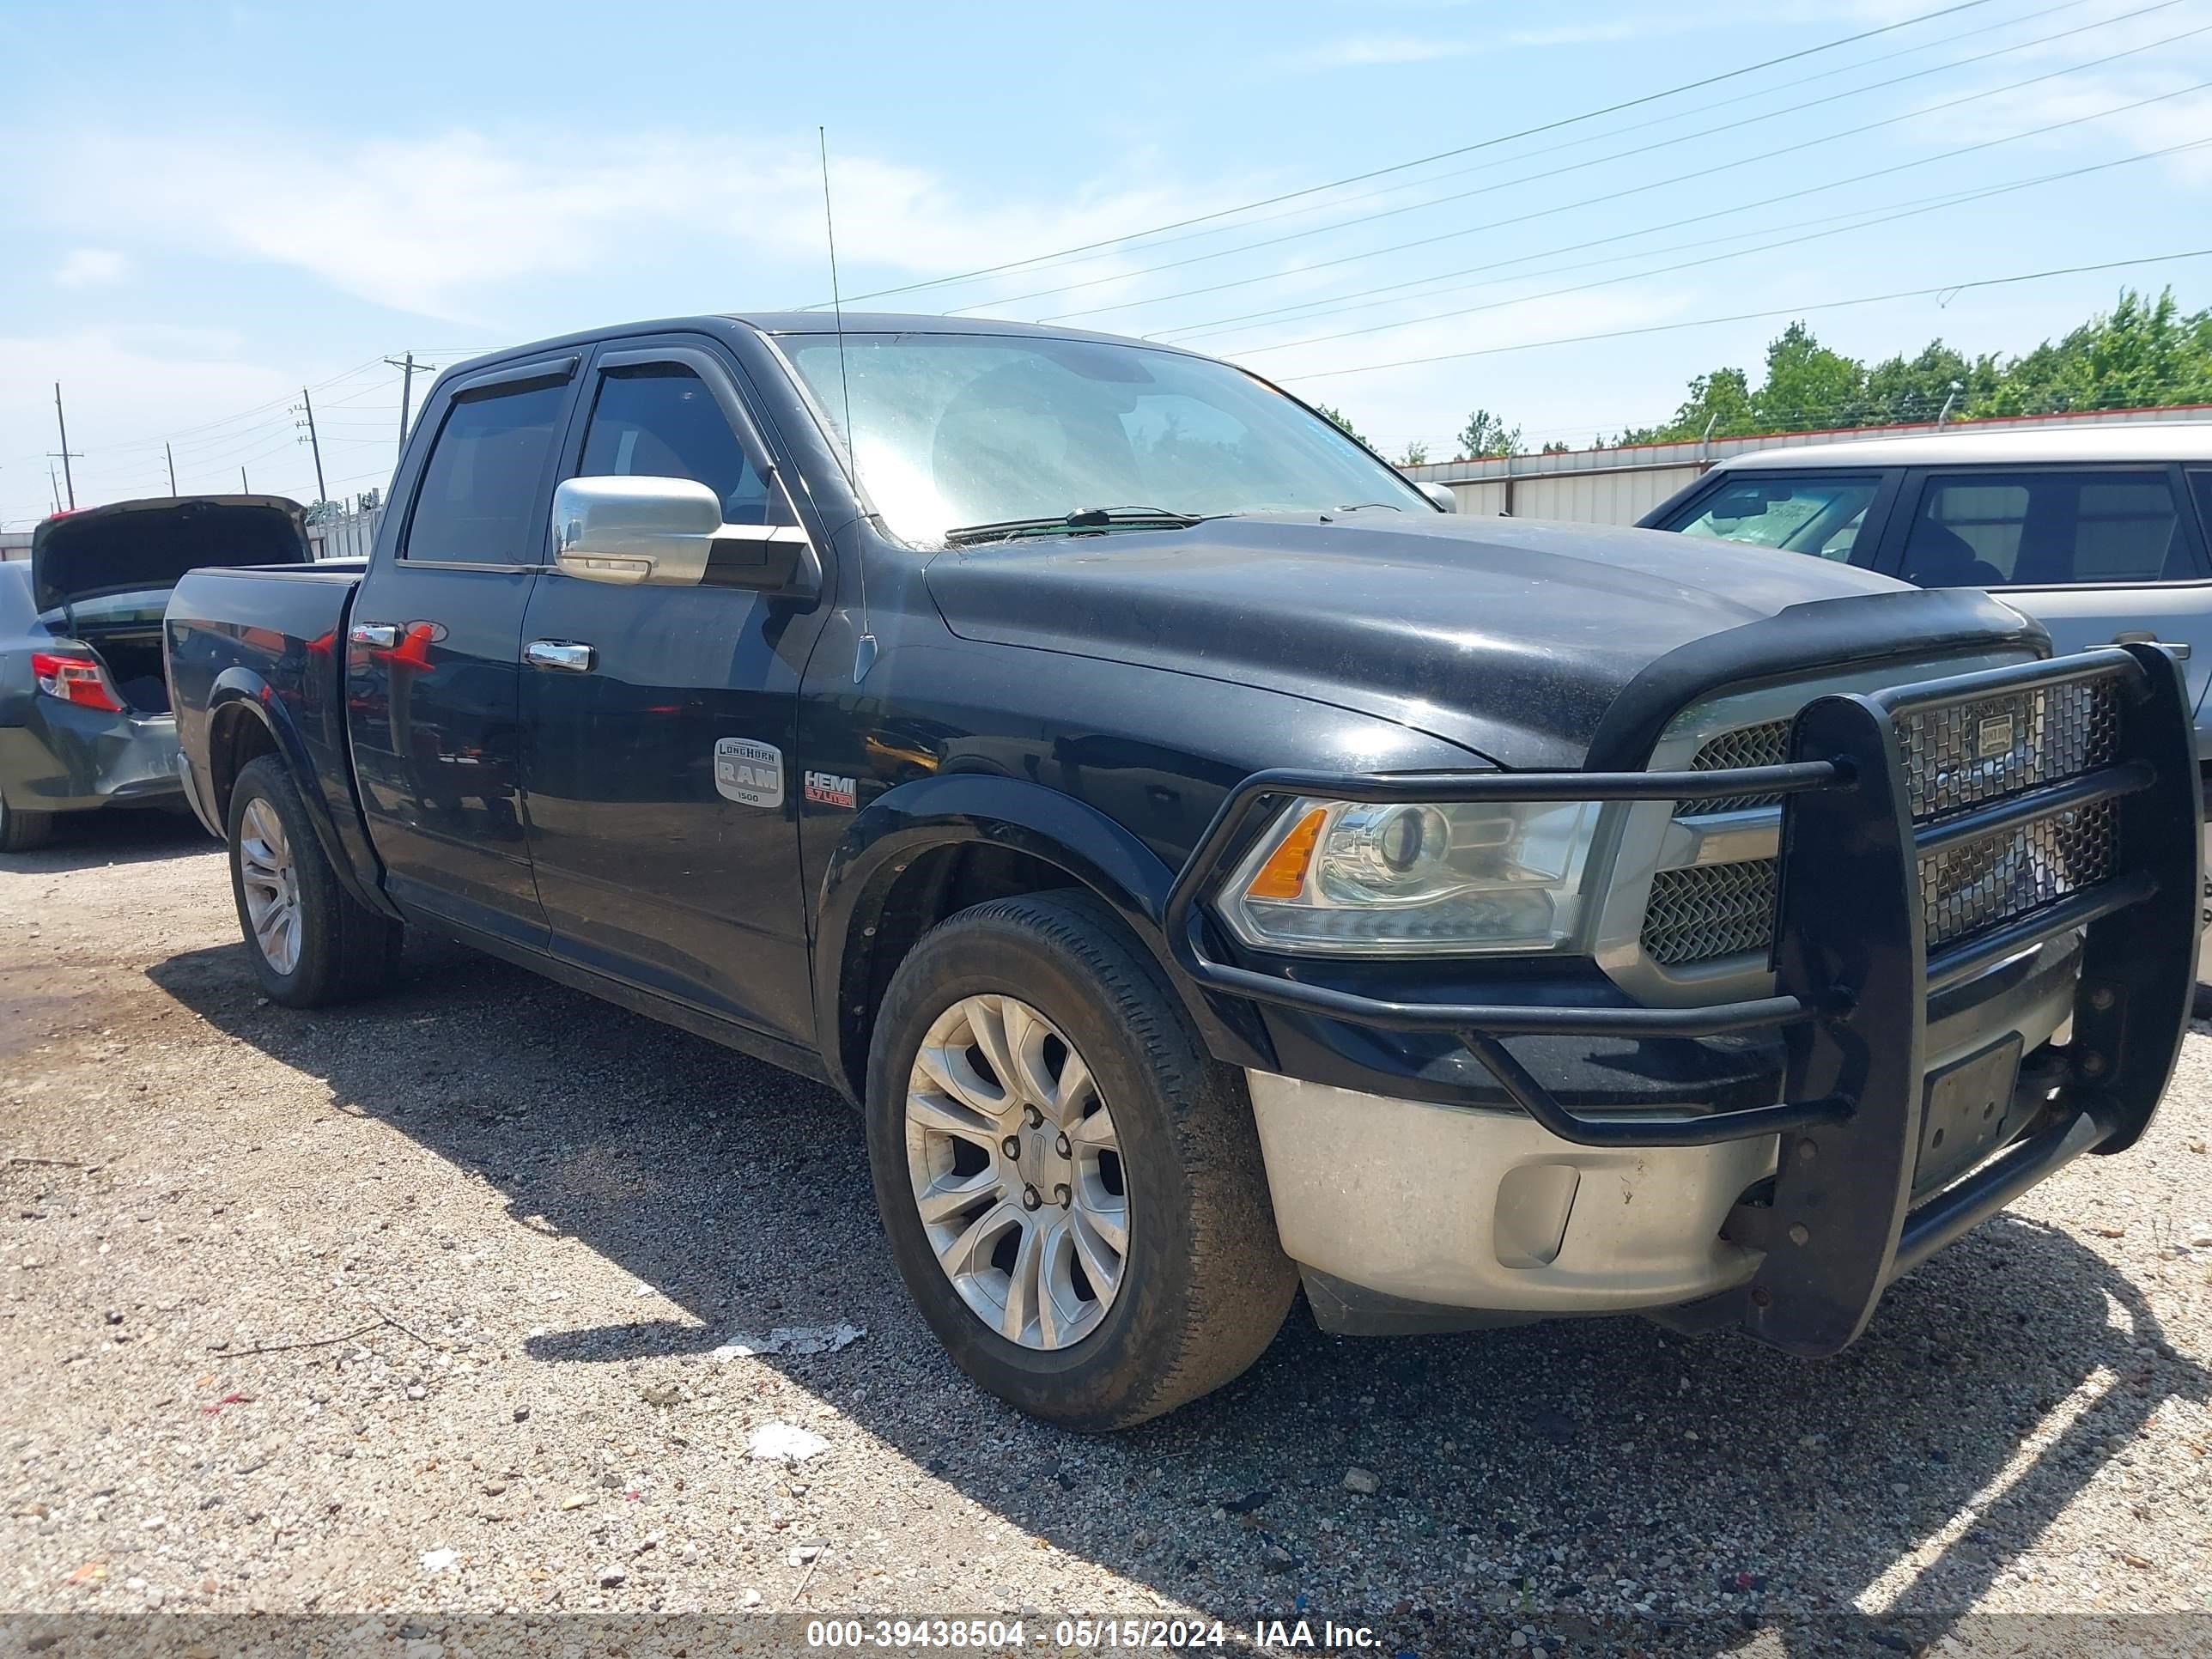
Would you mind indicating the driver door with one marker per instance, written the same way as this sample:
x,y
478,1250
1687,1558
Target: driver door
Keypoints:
x,y
655,865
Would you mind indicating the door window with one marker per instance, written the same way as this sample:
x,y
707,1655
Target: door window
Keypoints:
x,y
1816,514
2047,529
483,499
660,421
2200,485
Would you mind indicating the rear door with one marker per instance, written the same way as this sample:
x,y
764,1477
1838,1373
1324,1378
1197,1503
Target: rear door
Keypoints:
x,y
2095,553
435,648
659,721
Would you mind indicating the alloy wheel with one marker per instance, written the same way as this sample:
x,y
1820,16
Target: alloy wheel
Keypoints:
x,y
1016,1172
272,881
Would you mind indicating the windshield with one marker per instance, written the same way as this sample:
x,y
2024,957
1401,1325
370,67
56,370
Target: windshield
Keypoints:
x,y
963,429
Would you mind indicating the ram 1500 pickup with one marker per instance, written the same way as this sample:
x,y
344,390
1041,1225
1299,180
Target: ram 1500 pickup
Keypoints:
x,y
1209,866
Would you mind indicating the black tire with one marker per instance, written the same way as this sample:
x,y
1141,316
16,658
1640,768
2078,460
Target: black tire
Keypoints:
x,y
1205,1284
21,831
346,950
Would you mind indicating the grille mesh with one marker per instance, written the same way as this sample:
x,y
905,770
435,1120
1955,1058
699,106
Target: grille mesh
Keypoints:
x,y
1994,878
1963,754
1765,745
1710,911
1956,756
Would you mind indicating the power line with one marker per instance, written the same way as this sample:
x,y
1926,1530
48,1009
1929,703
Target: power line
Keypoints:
x,y
1424,161
1640,151
1565,207
1769,90
1334,304
1953,289
1930,205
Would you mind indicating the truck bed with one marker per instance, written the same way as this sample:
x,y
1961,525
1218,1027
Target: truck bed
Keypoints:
x,y
273,636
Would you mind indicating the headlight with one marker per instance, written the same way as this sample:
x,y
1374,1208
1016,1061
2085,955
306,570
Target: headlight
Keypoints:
x,y
1411,879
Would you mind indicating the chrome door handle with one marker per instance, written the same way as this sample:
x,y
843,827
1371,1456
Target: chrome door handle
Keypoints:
x,y
563,654
385,634
2179,648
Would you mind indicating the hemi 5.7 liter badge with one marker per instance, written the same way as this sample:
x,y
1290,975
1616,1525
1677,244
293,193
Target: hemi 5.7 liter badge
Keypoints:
x,y
748,772
828,789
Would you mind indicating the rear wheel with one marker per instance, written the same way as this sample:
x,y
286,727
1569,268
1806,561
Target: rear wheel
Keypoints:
x,y
310,942
1073,1190
21,831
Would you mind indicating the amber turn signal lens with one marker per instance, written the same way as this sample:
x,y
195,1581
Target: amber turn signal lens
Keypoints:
x,y
1284,875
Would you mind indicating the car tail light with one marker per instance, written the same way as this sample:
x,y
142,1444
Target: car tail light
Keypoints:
x,y
79,680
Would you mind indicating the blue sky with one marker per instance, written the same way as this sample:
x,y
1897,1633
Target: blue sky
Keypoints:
x,y
205,208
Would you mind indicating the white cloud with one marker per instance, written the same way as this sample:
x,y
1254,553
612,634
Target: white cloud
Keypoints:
x,y
90,267
439,225
1368,51
124,393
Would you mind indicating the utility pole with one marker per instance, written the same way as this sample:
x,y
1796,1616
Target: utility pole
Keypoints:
x,y
307,404
173,467
407,366
54,484
64,454
244,488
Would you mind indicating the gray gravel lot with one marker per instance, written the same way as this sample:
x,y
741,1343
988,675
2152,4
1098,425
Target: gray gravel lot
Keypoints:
x,y
517,1224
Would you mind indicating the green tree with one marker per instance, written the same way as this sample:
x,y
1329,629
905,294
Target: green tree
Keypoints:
x,y
1486,434
2141,354
1417,455
1808,386
1902,389
1720,401
1336,418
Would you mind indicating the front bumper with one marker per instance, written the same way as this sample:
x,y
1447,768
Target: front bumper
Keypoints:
x,y
1867,1017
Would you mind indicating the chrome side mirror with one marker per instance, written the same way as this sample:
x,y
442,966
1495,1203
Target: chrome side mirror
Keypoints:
x,y
1440,495
667,531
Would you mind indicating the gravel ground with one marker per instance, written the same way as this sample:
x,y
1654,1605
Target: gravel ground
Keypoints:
x,y
492,1240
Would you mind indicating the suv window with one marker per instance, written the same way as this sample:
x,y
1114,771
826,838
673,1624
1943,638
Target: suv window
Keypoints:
x,y
2046,529
1815,513
483,499
2201,484
660,421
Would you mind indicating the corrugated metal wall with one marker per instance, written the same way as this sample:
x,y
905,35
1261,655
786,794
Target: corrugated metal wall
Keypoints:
x,y
1619,486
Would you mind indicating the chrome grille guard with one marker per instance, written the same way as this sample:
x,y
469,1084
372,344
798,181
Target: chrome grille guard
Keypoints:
x,y
1853,969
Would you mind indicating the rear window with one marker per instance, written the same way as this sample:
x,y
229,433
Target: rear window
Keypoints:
x,y
2047,529
1811,513
485,497
148,606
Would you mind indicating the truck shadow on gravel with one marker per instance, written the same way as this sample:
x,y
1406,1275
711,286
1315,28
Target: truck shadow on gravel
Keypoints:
x,y
1556,1474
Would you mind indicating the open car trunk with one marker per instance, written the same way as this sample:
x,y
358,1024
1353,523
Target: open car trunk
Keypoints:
x,y
101,577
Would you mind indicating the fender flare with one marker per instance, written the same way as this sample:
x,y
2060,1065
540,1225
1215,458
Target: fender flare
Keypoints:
x,y
238,693
951,809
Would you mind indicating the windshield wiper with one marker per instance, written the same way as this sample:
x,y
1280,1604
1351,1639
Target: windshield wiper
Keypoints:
x,y
1091,518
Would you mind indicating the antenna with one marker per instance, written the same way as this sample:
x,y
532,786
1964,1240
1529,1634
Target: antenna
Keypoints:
x,y
864,653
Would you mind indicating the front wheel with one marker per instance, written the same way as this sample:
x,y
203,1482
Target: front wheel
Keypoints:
x,y
310,941
1073,1190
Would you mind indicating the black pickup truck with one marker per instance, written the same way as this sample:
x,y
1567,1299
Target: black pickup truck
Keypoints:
x,y
1210,866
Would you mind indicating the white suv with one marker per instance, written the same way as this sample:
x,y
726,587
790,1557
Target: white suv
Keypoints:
x,y
2100,534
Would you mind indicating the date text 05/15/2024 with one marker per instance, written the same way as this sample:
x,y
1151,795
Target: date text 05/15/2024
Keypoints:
x,y
1090,1635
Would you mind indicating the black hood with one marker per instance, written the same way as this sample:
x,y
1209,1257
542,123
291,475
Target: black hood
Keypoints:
x,y
1511,638
135,547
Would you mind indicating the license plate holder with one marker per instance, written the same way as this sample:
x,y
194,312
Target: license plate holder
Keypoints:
x,y
1966,1112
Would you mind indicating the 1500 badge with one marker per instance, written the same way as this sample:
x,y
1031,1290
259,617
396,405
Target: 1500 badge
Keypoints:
x,y
828,789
